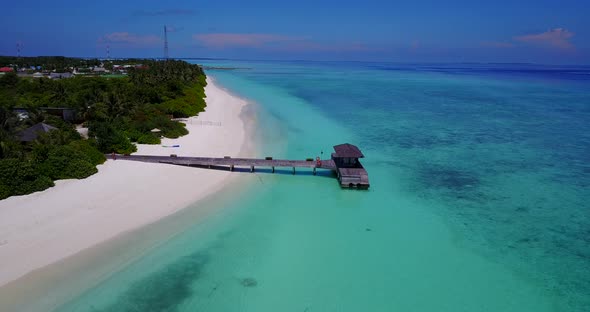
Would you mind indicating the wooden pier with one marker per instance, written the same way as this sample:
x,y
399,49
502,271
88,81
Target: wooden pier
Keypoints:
x,y
344,163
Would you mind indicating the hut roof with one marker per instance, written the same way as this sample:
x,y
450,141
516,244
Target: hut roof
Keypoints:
x,y
348,150
60,75
31,133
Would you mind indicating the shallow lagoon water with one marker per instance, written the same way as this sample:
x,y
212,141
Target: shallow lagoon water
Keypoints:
x,y
479,198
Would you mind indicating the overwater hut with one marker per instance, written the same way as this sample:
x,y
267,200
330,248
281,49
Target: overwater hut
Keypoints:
x,y
348,167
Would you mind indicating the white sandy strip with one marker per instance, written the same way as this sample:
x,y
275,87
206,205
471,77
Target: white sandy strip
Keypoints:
x,y
42,228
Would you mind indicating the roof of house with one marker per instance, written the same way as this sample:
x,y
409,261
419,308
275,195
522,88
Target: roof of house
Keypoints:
x,y
31,133
348,150
60,75
6,69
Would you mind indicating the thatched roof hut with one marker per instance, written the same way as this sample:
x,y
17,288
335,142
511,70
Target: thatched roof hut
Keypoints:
x,y
32,133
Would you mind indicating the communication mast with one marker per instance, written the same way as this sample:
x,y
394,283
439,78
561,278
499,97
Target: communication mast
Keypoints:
x,y
165,42
18,46
108,52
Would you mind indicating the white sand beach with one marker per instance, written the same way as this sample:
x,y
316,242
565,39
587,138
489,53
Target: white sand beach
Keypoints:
x,y
42,228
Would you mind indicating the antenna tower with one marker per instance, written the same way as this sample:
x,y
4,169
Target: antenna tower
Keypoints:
x,y
18,46
108,52
165,42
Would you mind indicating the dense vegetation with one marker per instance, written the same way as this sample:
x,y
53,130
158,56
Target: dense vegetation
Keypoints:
x,y
117,112
61,63
58,63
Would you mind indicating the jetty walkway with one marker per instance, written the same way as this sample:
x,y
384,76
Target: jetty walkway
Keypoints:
x,y
344,163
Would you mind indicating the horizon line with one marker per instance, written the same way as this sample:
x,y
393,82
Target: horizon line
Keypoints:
x,y
300,60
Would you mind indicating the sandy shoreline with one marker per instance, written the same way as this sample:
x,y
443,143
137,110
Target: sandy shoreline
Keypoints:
x,y
39,229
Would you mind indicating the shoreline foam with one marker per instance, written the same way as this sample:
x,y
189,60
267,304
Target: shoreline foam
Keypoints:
x,y
39,229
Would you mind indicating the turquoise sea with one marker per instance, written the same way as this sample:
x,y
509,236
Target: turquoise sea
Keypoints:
x,y
479,197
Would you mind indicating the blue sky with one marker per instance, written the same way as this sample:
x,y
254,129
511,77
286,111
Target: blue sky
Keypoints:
x,y
536,31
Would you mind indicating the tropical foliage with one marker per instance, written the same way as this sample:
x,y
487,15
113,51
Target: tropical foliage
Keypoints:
x,y
58,63
117,113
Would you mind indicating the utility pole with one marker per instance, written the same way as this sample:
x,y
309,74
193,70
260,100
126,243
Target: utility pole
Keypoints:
x,y
165,42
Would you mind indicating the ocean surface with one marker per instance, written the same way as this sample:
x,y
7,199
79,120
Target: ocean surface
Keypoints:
x,y
479,197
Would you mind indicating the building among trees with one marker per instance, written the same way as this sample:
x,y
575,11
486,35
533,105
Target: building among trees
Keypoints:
x,y
32,133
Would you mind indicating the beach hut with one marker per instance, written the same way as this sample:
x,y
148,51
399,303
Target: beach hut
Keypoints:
x,y
32,133
65,113
21,113
156,132
60,75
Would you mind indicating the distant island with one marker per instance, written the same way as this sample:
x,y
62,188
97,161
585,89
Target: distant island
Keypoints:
x,y
60,115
